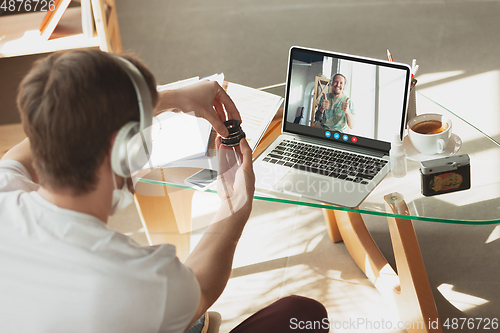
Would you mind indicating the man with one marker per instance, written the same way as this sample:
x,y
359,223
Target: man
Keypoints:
x,y
61,269
335,111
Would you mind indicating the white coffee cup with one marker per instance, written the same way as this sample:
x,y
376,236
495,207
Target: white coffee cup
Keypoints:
x,y
430,133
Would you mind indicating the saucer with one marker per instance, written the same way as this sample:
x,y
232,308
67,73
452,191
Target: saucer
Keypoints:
x,y
413,154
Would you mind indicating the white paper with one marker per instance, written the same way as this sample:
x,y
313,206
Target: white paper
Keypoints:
x,y
187,82
178,84
257,108
178,136
184,140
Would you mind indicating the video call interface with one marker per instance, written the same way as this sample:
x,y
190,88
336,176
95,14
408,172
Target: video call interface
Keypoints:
x,y
374,94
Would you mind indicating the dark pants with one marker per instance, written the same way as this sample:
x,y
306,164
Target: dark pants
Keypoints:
x,y
289,314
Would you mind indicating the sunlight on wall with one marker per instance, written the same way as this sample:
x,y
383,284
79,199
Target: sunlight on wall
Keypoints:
x,y
474,98
433,77
461,301
495,234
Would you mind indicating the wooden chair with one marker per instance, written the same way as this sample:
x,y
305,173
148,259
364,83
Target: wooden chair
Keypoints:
x,y
321,86
100,14
106,21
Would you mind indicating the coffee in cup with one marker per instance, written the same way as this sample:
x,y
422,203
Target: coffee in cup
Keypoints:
x,y
430,127
430,133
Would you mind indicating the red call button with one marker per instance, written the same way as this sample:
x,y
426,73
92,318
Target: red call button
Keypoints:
x,y
354,139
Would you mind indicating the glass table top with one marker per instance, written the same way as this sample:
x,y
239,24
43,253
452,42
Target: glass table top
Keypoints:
x,y
478,205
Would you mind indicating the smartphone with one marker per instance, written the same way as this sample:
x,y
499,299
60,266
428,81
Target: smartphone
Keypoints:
x,y
202,179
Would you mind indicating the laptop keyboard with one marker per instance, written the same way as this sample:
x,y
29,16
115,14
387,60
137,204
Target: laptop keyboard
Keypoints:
x,y
325,161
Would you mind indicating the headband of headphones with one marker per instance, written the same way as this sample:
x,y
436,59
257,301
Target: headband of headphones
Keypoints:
x,y
141,90
133,144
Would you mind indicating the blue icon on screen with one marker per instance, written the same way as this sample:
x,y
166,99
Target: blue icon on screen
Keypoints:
x,y
345,137
336,135
328,134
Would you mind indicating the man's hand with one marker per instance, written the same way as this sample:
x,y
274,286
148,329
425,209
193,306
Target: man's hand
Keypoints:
x,y
345,105
207,99
212,258
326,103
236,180
348,115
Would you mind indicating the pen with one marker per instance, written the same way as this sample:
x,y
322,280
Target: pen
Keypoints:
x,y
389,56
414,69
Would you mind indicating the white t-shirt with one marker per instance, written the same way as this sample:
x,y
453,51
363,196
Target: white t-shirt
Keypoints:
x,y
65,271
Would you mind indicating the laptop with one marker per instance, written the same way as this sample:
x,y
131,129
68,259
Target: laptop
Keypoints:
x,y
335,152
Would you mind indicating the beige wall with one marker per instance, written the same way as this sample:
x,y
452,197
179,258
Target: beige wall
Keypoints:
x,y
12,71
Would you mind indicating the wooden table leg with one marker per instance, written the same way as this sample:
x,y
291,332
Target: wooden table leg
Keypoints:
x,y
166,215
409,290
416,301
331,225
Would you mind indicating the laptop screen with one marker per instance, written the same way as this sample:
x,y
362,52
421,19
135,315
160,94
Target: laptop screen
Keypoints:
x,y
348,99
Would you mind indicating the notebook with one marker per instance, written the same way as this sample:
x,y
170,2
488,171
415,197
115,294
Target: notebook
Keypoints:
x,y
337,151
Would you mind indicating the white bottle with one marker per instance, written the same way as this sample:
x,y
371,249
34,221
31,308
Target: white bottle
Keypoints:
x,y
397,155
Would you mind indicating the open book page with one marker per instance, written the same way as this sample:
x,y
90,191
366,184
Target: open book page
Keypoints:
x,y
187,82
257,108
178,136
178,84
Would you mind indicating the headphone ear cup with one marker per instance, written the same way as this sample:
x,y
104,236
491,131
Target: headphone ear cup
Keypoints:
x,y
119,152
133,144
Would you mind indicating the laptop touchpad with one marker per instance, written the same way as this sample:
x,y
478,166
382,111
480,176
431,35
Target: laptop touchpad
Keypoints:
x,y
302,184
269,174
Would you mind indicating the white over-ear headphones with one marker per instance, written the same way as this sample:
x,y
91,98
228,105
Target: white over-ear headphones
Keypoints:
x,y
133,144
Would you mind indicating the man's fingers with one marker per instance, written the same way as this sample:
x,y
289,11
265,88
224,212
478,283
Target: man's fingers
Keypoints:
x,y
246,152
231,110
218,142
231,157
218,125
222,156
219,109
238,154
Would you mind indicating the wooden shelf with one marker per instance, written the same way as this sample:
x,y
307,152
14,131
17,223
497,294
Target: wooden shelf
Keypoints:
x,y
20,35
